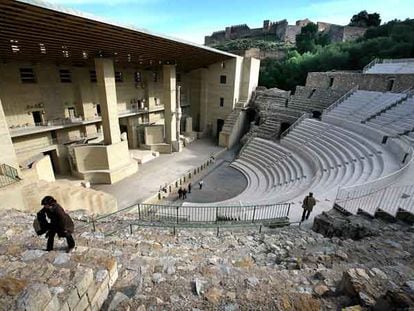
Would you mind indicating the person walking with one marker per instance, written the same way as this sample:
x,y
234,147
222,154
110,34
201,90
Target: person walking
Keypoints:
x,y
200,183
184,194
180,193
60,223
308,204
189,187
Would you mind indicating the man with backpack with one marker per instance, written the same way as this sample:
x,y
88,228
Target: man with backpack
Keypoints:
x,y
60,223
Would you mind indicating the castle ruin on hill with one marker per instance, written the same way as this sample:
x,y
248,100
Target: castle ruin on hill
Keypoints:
x,y
282,31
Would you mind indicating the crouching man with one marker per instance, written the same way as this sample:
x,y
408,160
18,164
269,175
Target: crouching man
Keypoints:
x,y
60,223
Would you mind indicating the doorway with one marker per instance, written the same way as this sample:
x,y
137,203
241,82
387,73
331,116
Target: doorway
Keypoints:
x,y
283,127
220,124
54,159
37,117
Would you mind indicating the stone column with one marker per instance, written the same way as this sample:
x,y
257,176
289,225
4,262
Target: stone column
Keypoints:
x,y
170,103
7,154
105,76
84,92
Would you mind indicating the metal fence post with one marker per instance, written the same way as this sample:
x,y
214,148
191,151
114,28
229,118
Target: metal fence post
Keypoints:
x,y
177,214
139,211
288,211
254,213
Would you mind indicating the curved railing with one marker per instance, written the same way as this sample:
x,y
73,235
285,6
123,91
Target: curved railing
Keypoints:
x,y
364,189
162,215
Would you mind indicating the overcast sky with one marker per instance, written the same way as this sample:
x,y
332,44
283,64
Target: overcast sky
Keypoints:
x,y
193,19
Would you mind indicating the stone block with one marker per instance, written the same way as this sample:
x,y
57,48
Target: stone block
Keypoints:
x,y
83,304
35,297
64,307
113,278
73,298
100,296
53,305
83,279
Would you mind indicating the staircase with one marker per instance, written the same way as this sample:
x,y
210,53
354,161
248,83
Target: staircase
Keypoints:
x,y
231,121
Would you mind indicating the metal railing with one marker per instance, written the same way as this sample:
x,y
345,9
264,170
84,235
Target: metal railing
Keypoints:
x,y
398,60
8,175
340,100
371,64
388,199
295,124
361,190
189,216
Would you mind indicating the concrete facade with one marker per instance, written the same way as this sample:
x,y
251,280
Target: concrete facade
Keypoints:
x,y
76,110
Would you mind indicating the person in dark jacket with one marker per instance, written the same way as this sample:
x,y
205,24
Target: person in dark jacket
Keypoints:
x,y
308,204
60,223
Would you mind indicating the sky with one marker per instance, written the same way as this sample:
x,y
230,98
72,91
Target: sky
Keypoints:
x,y
193,19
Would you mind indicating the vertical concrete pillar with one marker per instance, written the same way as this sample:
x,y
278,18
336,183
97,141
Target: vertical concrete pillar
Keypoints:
x,y
170,103
203,100
105,76
84,92
7,154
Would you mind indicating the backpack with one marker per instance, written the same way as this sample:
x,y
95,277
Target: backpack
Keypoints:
x,y
36,226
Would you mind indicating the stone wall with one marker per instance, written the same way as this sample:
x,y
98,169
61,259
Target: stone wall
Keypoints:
x,y
369,82
281,31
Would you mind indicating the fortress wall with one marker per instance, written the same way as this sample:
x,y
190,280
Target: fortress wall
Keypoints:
x,y
369,82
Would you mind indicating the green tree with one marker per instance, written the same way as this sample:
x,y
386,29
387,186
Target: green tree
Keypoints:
x,y
364,19
309,39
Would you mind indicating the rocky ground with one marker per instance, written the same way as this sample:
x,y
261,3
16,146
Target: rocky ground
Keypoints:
x,y
289,268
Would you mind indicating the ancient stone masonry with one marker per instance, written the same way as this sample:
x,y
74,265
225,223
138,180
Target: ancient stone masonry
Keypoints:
x,y
282,31
241,269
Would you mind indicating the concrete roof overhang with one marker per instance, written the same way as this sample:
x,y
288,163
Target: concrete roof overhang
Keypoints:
x,y
37,31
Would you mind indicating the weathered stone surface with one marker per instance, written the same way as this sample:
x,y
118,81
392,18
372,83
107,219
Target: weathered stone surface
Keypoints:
x,y
83,279
32,254
321,290
34,298
116,300
11,286
213,295
278,269
333,223
61,259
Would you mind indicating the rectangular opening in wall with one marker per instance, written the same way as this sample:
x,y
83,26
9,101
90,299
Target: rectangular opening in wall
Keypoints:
x,y
92,76
331,81
223,79
27,75
390,84
118,76
71,112
65,76
221,101
98,109
37,117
